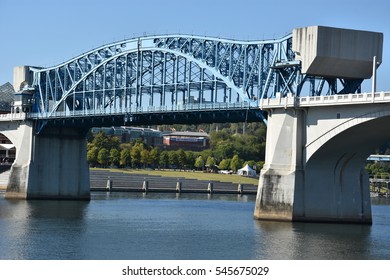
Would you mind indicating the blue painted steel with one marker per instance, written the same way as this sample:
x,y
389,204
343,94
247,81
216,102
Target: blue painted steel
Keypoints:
x,y
170,73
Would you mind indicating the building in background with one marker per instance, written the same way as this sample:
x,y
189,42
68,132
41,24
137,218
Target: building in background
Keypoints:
x,y
127,134
187,140
6,98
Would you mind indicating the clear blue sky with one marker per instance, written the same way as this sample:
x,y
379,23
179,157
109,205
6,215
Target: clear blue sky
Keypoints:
x,y
48,32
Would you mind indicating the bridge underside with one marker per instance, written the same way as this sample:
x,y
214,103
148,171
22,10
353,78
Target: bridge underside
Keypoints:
x,y
158,118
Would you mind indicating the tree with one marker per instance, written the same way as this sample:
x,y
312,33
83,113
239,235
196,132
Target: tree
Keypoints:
x,y
210,161
199,162
154,156
235,163
135,154
206,153
164,159
114,157
101,140
224,164
145,157
181,158
92,154
224,149
103,157
125,158
173,160
190,159
251,163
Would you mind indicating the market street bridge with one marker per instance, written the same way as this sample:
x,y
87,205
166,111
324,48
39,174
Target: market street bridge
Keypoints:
x,y
306,86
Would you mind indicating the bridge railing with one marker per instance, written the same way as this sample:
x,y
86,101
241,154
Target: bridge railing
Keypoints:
x,y
341,99
142,110
13,116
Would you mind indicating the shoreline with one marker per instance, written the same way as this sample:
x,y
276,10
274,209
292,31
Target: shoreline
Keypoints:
x,y
137,181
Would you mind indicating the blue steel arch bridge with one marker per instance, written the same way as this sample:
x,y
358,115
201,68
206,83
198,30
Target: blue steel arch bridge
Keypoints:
x,y
173,79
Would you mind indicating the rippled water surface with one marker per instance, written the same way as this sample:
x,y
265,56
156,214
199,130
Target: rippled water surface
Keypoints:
x,y
169,226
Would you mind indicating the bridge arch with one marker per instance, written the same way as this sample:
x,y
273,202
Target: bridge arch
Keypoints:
x,y
364,125
214,76
222,70
336,184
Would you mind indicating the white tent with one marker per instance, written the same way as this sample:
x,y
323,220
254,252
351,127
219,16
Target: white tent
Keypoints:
x,y
246,171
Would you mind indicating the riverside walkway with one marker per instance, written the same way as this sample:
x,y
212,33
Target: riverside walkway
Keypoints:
x,y
122,181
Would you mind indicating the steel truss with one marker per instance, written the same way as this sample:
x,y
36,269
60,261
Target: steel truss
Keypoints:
x,y
159,73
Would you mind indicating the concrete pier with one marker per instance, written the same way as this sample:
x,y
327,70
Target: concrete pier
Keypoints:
x,y
315,157
50,165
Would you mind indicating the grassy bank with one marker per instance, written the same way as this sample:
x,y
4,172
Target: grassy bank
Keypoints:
x,y
233,178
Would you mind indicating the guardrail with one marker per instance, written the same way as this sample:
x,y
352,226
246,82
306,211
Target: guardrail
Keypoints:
x,y
311,101
13,117
142,110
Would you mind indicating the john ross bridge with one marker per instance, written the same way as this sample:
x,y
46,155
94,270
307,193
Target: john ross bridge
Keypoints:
x,y
306,86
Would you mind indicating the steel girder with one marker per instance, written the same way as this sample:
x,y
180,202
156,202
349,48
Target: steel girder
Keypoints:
x,y
165,72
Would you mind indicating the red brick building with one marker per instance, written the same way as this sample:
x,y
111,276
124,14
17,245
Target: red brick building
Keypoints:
x,y
195,141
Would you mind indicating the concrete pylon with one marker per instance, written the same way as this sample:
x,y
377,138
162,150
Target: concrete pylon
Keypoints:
x,y
282,171
50,165
329,186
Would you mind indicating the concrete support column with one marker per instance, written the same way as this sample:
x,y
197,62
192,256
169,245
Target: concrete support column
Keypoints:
x,y
51,165
282,172
312,179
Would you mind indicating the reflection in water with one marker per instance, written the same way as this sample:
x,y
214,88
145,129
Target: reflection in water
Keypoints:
x,y
314,240
172,226
29,228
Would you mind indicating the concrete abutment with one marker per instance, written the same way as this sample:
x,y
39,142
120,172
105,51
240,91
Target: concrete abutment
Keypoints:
x,y
328,184
50,165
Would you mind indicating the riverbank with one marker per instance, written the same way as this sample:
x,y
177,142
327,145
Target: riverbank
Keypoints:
x,y
166,181
170,181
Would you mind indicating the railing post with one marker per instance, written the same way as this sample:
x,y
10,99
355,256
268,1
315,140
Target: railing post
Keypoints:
x,y
145,185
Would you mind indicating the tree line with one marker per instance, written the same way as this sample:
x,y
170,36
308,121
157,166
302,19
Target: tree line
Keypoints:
x,y
230,149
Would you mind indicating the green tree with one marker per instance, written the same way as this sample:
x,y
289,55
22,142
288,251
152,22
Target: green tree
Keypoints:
x,y
206,153
101,140
211,161
135,154
145,157
164,159
114,157
224,164
92,154
125,157
225,149
154,156
173,160
190,159
235,163
251,163
199,162
103,157
181,158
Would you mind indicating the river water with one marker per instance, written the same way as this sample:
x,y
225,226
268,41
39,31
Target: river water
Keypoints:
x,y
181,227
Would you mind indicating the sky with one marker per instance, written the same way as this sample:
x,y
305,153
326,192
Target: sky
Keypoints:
x,y
47,33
